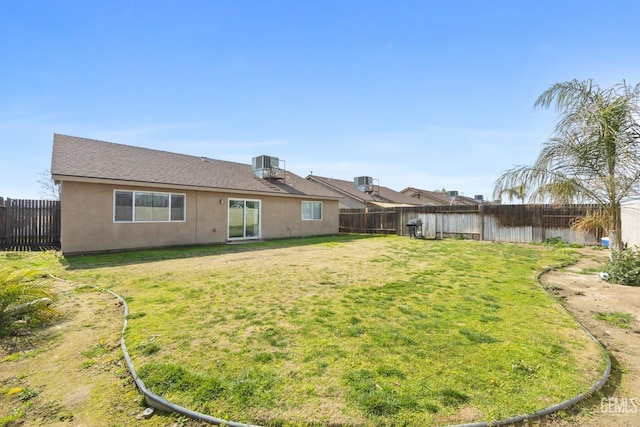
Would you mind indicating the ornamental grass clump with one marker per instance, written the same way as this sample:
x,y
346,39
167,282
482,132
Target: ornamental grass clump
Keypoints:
x,y
26,301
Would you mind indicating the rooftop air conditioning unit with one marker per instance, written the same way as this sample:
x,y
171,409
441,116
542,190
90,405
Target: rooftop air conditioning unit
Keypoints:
x,y
364,183
452,194
266,167
478,198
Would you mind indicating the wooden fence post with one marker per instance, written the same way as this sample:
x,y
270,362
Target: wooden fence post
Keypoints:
x,y
537,223
3,222
481,213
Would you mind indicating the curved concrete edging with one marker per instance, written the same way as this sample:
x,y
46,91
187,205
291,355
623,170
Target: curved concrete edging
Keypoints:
x,y
153,399
162,404
150,398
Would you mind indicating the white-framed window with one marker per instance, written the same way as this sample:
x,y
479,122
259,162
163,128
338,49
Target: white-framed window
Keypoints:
x,y
311,211
147,206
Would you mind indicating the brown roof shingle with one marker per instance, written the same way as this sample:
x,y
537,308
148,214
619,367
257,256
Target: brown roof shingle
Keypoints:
x,y
380,194
437,198
79,158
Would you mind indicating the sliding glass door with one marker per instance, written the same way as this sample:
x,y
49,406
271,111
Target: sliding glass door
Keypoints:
x,y
244,219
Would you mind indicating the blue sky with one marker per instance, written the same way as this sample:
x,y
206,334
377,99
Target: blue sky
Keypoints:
x,y
427,94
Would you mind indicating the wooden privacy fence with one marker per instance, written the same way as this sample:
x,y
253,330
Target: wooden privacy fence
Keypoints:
x,y
499,223
32,224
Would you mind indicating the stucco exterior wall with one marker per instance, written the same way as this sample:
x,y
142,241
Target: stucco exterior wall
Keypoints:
x,y
631,223
282,217
88,225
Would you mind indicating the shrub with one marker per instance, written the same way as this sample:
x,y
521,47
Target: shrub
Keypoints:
x,y
557,242
26,300
624,267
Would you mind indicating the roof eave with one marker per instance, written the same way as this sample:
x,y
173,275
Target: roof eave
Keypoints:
x,y
60,178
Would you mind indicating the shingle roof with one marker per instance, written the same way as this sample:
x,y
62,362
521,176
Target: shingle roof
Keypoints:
x,y
83,158
380,195
436,197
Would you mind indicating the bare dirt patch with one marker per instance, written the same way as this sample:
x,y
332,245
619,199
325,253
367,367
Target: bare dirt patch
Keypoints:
x,y
73,373
585,294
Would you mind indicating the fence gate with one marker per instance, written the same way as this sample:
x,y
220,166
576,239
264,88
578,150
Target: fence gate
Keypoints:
x,y
29,224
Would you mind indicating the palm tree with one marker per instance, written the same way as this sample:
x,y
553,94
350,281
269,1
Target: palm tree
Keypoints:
x,y
594,153
518,192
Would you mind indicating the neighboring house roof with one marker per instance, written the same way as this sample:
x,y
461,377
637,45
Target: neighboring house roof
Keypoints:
x,y
437,198
83,159
381,196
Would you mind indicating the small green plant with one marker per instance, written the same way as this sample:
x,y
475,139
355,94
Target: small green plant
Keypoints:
x,y
26,301
28,393
15,415
624,267
557,242
553,241
23,355
618,318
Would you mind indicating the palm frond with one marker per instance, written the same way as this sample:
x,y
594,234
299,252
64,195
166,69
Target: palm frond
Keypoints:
x,y
592,222
26,299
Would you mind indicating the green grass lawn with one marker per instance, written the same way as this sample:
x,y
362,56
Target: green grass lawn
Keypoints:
x,y
348,330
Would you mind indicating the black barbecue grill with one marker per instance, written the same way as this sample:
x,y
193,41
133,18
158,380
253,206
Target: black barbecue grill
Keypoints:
x,y
415,228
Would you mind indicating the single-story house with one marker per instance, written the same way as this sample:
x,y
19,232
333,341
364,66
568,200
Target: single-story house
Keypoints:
x,y
116,196
438,198
362,193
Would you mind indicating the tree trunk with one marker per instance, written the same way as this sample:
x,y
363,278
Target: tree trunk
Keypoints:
x,y
615,232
